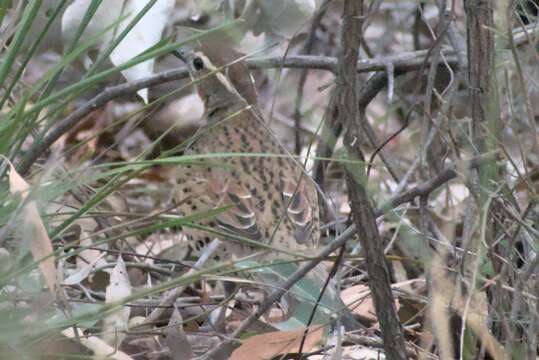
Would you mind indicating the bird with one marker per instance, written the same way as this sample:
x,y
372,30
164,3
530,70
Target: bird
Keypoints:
x,y
271,198
267,199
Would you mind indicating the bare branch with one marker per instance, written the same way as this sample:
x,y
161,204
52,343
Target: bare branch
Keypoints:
x,y
400,63
351,117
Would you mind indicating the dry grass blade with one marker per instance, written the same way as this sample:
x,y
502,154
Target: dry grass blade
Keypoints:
x,y
439,310
474,314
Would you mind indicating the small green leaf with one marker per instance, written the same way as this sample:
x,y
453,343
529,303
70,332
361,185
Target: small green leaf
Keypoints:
x,y
306,292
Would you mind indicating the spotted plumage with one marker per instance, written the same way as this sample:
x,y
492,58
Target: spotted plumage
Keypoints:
x,y
268,199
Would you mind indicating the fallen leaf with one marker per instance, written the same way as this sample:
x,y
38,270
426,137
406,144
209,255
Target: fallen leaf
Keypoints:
x,y
115,324
359,301
89,256
98,346
268,345
40,243
355,352
360,352
175,337
144,34
82,273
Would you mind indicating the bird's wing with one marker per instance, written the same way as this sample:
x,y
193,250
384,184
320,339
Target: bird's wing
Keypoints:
x,y
300,202
240,217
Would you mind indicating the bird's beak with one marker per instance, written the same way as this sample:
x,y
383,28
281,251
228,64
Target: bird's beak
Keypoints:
x,y
180,54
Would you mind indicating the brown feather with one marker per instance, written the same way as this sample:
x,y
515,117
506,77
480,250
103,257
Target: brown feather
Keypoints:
x,y
270,198
266,202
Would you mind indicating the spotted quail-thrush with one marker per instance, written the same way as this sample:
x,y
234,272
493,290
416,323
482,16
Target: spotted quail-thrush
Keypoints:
x,y
270,199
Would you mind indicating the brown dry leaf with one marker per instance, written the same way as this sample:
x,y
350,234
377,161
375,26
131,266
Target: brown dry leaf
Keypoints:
x,y
268,345
40,243
359,301
175,337
87,255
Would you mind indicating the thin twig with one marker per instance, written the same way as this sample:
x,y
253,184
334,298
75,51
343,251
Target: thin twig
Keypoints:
x,y
175,293
307,49
228,344
400,63
431,185
406,61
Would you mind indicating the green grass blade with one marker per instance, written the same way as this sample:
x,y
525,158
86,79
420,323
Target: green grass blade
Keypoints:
x,y
15,47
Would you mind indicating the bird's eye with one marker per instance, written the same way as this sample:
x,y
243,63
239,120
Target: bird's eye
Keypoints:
x,y
198,64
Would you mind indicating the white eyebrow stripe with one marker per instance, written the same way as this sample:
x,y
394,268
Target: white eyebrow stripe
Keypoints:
x,y
225,82
218,74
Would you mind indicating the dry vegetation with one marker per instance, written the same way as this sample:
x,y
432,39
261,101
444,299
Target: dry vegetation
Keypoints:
x,y
425,143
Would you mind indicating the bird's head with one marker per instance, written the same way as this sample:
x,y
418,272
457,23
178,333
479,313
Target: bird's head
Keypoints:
x,y
218,75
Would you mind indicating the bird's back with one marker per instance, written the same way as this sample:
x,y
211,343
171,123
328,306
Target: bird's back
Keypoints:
x,y
267,196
